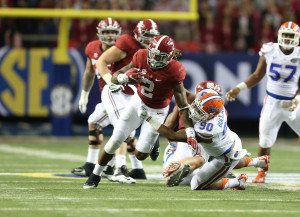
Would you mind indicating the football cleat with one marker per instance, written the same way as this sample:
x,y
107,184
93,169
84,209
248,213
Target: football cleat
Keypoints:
x,y
122,179
122,171
155,151
92,182
260,177
85,170
230,175
137,174
122,176
263,162
172,167
108,172
242,178
178,175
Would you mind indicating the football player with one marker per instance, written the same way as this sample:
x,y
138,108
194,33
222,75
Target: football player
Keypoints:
x,y
159,77
108,31
180,162
210,124
118,56
281,63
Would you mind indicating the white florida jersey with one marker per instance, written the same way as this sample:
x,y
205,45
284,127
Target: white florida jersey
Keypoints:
x,y
222,137
283,71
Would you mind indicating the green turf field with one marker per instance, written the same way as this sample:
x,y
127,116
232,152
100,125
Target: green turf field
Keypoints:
x,y
28,188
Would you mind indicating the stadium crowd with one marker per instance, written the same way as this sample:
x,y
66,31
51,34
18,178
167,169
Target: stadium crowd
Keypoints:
x,y
224,25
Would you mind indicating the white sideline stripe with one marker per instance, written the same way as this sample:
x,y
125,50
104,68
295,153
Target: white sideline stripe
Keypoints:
x,y
40,153
115,210
139,199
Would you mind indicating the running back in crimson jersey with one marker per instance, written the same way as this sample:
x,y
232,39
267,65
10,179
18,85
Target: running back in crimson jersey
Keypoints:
x,y
156,89
93,51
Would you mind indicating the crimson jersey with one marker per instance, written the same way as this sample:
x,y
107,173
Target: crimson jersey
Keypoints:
x,y
156,90
93,51
129,45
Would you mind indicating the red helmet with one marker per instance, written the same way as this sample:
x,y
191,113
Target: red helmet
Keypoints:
x,y
206,86
160,51
108,31
144,31
206,107
288,35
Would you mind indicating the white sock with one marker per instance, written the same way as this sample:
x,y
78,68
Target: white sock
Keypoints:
x,y
98,169
135,163
92,156
120,160
254,162
232,183
112,162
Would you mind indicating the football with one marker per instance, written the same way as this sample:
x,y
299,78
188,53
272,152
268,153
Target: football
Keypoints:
x,y
134,76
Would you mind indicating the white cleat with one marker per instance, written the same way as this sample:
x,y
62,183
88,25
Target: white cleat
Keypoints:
x,y
122,179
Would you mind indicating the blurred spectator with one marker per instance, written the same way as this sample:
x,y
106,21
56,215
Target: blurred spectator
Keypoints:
x,y
223,26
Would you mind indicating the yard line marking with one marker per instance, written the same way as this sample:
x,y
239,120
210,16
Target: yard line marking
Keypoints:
x,y
117,210
151,199
41,153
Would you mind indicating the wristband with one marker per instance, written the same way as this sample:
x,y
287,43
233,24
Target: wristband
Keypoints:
x,y
84,94
107,78
190,132
242,86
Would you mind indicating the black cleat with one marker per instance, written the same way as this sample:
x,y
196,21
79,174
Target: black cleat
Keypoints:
x,y
230,175
122,171
178,175
92,182
155,151
86,170
108,172
137,174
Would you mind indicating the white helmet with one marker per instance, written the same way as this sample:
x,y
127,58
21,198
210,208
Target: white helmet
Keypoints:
x,y
288,35
108,25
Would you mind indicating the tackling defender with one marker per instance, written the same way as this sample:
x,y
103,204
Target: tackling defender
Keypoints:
x,y
210,124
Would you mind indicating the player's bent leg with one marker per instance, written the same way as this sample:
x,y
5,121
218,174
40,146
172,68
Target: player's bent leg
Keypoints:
x,y
155,150
137,171
262,171
141,155
95,139
178,172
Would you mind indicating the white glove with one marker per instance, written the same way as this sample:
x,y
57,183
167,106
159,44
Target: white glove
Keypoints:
x,y
83,101
122,78
115,87
143,113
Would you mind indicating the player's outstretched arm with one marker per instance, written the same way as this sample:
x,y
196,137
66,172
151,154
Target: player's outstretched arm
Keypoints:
x,y
109,57
251,81
119,77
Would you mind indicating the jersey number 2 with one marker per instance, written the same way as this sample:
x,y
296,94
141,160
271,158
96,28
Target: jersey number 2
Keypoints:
x,y
147,88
